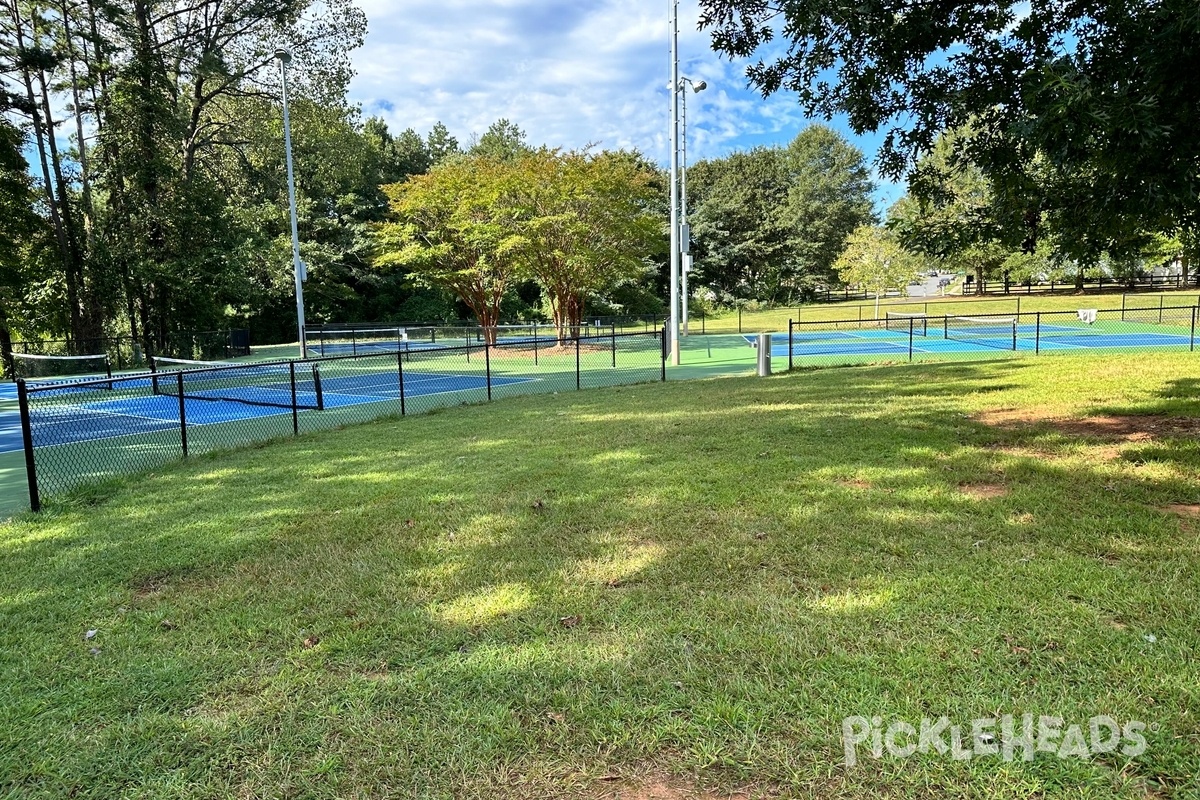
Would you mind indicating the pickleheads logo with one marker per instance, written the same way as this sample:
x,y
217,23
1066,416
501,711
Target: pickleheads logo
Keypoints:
x,y
1006,737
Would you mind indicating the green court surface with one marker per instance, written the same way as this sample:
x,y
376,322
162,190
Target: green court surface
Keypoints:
x,y
128,429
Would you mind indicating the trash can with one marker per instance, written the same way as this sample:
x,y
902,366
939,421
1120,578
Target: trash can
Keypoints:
x,y
764,354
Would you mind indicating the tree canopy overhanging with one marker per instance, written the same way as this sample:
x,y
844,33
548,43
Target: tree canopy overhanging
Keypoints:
x,y
1083,110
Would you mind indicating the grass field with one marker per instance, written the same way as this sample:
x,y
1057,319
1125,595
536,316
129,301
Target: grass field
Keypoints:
x,y
685,587
777,319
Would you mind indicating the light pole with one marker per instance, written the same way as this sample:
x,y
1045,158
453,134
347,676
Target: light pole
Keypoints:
x,y
686,232
285,58
673,323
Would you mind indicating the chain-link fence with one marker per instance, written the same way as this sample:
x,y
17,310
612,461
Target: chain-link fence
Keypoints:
x,y
78,433
916,336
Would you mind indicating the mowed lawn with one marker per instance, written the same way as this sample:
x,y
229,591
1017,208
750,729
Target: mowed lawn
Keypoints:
x,y
686,587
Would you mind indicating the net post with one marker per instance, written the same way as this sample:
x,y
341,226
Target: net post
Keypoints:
x,y
1014,337
108,370
577,377
946,326
487,367
35,501
1161,298
183,442
910,338
295,403
1037,333
739,319
791,348
317,387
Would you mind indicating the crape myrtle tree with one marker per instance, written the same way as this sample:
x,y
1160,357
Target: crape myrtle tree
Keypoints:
x,y
455,227
579,224
588,222
1082,114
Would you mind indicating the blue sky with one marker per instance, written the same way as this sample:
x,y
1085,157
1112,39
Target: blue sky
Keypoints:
x,y
569,73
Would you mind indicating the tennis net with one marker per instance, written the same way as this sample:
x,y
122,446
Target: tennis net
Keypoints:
x,y
999,332
293,385
901,322
358,341
36,367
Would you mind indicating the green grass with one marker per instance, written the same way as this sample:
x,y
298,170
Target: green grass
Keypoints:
x,y
777,319
699,579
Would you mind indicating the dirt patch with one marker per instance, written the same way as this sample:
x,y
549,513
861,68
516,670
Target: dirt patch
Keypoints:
x,y
983,491
1111,428
1189,510
660,789
854,483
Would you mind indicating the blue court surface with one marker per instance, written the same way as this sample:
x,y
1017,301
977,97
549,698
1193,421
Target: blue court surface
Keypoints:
x,y
62,422
975,339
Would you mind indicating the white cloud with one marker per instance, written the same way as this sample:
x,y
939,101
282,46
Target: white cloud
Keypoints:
x,y
568,73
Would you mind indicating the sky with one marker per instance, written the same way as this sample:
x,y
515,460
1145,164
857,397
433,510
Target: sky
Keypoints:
x,y
569,73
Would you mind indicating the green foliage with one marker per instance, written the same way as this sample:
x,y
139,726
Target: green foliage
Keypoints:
x,y
578,224
502,141
1085,112
767,224
454,229
874,260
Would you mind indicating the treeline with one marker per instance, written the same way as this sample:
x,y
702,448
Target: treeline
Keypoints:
x,y
141,142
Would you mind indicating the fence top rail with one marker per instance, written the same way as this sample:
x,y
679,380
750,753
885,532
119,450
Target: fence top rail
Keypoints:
x,y
1022,315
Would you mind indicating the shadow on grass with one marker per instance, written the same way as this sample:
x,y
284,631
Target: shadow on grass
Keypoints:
x,y
700,576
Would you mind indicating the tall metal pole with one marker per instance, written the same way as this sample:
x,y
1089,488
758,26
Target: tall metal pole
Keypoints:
x,y
687,257
673,323
297,265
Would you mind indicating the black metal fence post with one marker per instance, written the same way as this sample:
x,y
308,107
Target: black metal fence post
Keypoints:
x,y
739,319
35,501
791,349
400,379
183,443
1123,296
662,352
295,404
614,346
577,381
487,367
910,338
1037,333
1192,339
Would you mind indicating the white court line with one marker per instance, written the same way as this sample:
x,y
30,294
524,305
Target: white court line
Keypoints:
x,y
74,407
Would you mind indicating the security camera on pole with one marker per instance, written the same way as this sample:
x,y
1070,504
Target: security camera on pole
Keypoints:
x,y
301,273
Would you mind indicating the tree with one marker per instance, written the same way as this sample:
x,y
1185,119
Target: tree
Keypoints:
x,y
587,224
874,260
767,224
503,141
18,225
1093,89
146,204
454,228
740,228
829,196
441,144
